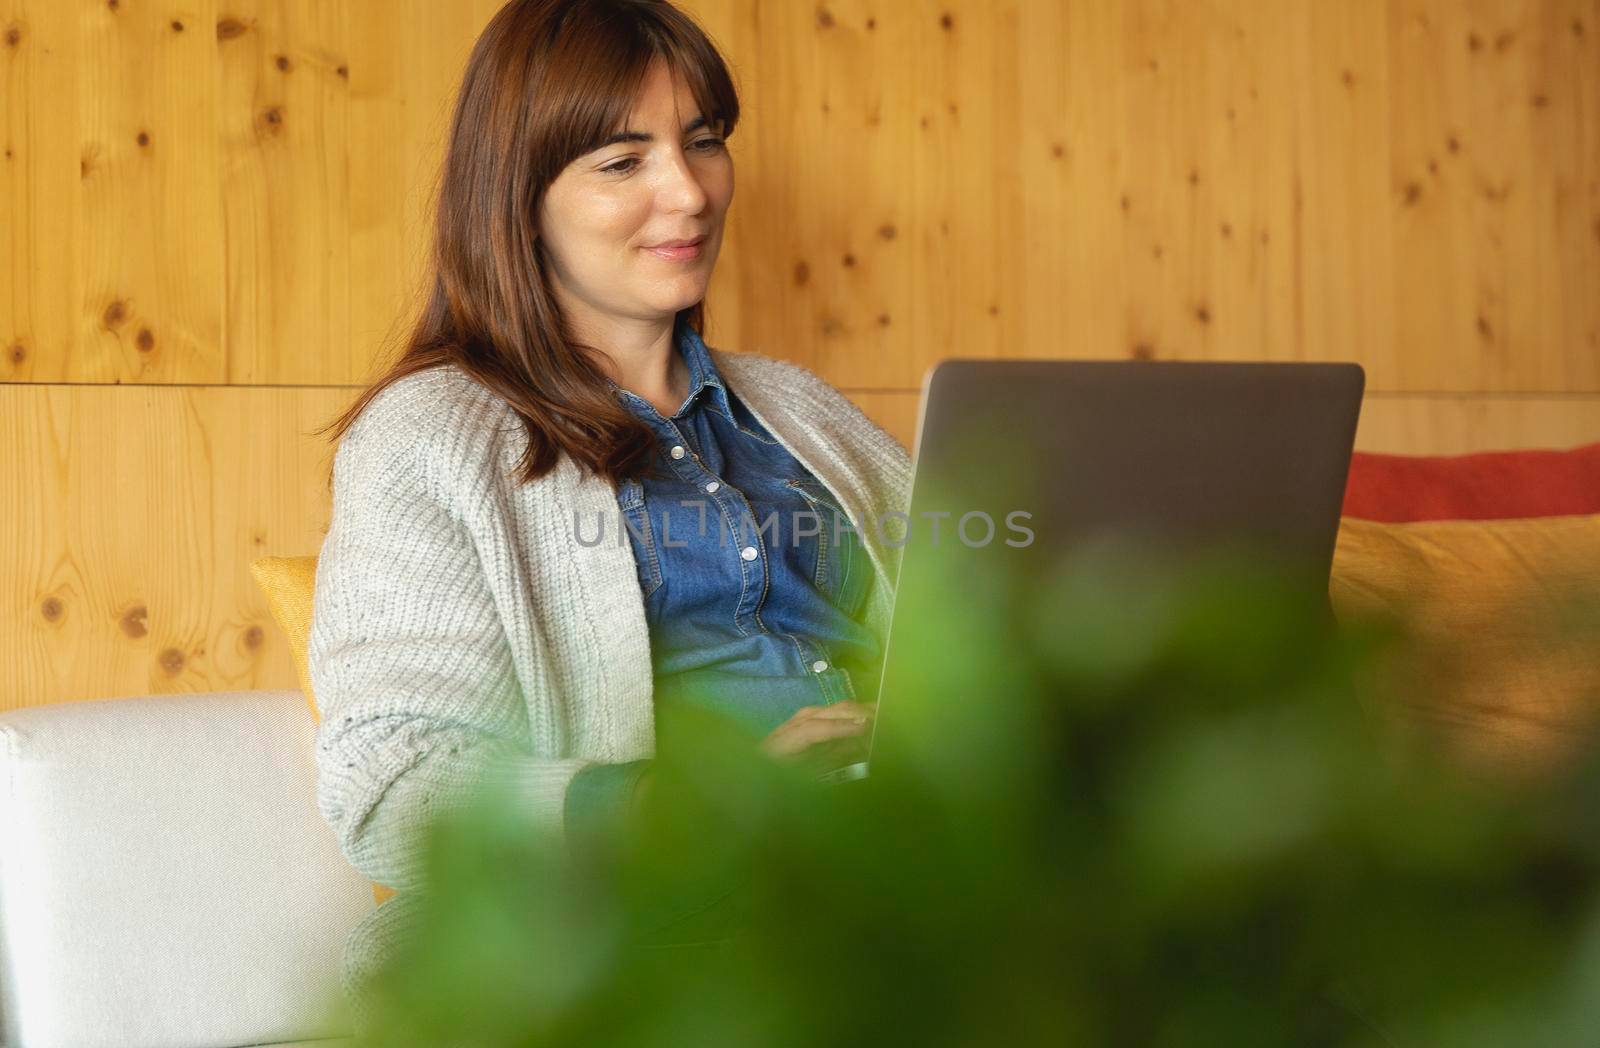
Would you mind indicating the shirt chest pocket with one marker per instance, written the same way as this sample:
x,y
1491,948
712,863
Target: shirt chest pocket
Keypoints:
x,y
833,555
635,520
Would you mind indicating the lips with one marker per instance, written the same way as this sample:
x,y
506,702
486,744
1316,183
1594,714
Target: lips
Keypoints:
x,y
677,243
691,250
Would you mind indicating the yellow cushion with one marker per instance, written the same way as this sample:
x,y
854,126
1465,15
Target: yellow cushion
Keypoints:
x,y
289,584
1504,615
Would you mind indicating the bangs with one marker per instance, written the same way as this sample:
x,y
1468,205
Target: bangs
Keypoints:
x,y
601,74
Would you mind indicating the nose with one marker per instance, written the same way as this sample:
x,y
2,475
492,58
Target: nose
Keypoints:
x,y
679,188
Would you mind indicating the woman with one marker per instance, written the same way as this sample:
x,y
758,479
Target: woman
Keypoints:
x,y
467,623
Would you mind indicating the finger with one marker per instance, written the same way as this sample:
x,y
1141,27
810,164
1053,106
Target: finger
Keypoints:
x,y
847,708
847,711
803,734
811,732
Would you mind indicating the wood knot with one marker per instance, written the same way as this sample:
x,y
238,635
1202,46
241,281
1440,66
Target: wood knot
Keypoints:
x,y
1142,351
177,26
1194,176
171,660
1540,101
132,622
252,637
994,310
1202,313
273,116
18,353
115,314
1349,78
1227,231
824,18
1474,42
1453,144
802,273
1057,149
13,35
831,326
1413,193
344,72
872,23
849,261
51,608
1484,329
1125,202
228,28
1503,41
113,5
883,320
143,139
886,231
947,21
145,340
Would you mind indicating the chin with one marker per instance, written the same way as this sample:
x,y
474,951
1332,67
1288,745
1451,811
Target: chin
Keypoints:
x,y
681,299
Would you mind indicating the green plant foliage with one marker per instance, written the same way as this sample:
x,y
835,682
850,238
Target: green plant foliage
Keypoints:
x,y
1161,807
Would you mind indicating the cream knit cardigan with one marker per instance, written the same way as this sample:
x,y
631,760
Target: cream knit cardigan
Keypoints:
x,y
460,630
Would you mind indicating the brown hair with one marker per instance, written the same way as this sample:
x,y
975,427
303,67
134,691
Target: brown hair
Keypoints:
x,y
547,82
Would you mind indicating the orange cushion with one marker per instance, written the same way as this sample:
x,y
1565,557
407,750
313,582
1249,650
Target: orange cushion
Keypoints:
x,y
1505,616
289,583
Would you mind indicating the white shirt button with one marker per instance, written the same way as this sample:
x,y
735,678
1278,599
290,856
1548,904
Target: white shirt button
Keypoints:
x,y
713,486
748,553
677,451
818,666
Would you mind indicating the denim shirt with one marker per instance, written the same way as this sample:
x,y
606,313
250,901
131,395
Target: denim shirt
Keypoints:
x,y
753,577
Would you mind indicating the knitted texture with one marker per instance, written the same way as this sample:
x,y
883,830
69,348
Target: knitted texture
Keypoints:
x,y
460,630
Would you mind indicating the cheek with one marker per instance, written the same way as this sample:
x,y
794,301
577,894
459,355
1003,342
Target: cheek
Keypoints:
x,y
616,219
599,227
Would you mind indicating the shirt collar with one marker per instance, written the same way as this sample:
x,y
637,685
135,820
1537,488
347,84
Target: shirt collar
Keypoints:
x,y
703,374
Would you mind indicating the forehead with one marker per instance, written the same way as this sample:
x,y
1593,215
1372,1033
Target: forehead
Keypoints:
x,y
662,93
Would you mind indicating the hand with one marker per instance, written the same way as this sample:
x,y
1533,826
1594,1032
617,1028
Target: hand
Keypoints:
x,y
830,736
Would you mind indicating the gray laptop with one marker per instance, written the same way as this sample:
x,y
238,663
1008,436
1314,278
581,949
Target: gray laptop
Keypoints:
x,y
1185,453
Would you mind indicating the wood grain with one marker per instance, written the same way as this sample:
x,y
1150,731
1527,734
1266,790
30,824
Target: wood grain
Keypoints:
x,y
129,534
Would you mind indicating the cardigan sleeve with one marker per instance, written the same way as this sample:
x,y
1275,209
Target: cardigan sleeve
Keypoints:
x,y
410,668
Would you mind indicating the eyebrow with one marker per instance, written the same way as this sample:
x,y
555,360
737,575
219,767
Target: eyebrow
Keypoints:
x,y
645,136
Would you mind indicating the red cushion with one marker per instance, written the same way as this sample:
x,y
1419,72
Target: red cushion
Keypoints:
x,y
1490,485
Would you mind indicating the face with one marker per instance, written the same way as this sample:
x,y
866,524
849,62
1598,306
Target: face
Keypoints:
x,y
607,209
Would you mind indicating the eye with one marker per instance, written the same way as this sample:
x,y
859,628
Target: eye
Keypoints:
x,y
623,166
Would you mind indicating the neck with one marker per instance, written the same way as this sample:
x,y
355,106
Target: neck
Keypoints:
x,y
642,359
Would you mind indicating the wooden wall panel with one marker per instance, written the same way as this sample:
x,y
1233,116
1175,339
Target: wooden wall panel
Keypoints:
x,y
1413,184
129,533
153,248
1231,180
284,137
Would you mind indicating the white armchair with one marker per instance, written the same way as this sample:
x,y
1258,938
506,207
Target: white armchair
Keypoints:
x,y
165,877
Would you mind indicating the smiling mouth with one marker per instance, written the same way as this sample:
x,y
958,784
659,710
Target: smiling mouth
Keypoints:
x,y
683,253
